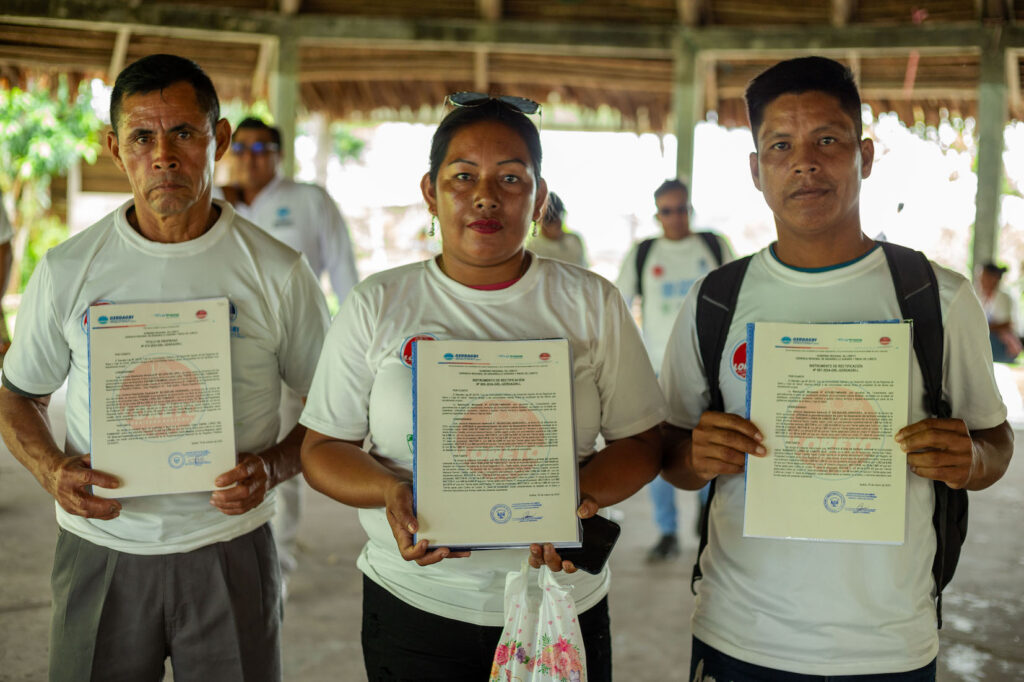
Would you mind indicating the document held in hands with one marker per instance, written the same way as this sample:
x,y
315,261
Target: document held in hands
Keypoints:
x,y
161,417
829,399
495,457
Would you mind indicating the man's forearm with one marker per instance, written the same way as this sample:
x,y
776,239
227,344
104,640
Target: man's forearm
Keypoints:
x,y
676,467
993,449
283,459
25,426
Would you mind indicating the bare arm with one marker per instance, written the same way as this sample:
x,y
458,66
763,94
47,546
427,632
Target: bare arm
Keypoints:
x,y
717,446
255,474
342,470
612,475
6,260
945,450
26,430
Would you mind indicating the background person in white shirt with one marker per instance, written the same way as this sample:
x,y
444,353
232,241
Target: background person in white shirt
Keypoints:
x,y
674,261
304,217
1001,311
553,240
771,608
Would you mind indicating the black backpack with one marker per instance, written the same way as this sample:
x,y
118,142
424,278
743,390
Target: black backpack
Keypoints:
x,y
643,250
918,296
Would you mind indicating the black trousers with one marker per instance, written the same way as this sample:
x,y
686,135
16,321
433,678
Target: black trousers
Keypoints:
x,y
404,644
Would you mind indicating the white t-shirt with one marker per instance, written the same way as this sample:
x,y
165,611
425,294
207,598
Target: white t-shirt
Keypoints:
x,y
568,249
363,386
821,608
305,218
279,320
999,308
671,268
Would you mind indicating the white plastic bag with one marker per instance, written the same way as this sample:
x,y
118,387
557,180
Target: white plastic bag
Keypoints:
x,y
541,639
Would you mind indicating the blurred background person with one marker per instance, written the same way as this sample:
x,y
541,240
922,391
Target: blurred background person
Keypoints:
x,y
438,615
660,272
6,260
304,217
1001,311
554,240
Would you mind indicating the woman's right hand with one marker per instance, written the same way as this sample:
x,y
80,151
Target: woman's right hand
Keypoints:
x,y
398,507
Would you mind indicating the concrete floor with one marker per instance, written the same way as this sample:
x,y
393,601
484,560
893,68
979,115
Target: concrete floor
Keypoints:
x,y
651,605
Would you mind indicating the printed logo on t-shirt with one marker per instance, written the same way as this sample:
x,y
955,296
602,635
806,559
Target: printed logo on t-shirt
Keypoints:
x,y
657,271
406,350
284,217
236,331
85,315
739,361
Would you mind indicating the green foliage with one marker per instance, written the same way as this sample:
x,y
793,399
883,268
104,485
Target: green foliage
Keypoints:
x,y
43,133
346,145
236,110
44,234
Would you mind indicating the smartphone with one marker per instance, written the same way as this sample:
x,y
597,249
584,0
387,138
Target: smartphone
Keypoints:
x,y
599,536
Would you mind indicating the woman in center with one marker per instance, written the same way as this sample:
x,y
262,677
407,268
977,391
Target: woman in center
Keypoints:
x,y
437,615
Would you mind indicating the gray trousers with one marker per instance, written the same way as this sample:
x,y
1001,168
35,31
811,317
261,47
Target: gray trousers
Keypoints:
x,y
215,611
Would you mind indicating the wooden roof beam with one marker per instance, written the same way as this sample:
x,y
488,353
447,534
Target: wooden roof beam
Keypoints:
x,y
489,10
119,53
842,12
693,12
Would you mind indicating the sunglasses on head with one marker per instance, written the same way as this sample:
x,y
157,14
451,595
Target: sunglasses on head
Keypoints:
x,y
255,148
475,99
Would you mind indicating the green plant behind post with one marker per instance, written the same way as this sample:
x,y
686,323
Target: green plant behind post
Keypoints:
x,y
44,131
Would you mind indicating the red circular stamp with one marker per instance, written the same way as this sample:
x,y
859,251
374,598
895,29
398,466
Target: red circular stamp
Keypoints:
x,y
499,440
833,430
159,398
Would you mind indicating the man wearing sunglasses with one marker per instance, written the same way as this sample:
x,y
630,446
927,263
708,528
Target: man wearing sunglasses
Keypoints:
x,y
304,217
660,272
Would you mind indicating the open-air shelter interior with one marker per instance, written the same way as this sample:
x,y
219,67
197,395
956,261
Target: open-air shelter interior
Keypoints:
x,y
660,65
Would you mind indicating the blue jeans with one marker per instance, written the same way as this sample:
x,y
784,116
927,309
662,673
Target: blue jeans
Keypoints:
x,y
663,499
709,663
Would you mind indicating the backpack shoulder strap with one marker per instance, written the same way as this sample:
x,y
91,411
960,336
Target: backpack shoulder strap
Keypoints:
x,y
714,245
716,302
643,250
917,291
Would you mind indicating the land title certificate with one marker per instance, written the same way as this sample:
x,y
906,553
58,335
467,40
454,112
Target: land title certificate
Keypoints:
x,y
829,399
495,459
161,416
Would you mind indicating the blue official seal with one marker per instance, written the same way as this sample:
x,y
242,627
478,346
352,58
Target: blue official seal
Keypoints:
x,y
835,502
501,513
176,460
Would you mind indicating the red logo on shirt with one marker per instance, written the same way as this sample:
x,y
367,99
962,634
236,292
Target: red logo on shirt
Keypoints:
x,y
85,315
407,346
657,271
885,340
739,361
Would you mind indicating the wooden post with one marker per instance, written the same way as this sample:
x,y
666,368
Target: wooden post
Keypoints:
x,y
687,104
992,92
284,97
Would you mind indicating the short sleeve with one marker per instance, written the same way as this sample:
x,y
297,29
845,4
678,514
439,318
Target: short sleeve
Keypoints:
x,y
683,379
631,401
336,249
967,363
304,319
40,357
627,280
338,404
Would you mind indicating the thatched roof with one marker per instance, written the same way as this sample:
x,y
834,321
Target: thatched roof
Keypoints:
x,y
920,59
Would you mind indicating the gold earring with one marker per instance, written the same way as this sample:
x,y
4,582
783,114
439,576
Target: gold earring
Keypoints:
x,y
433,225
533,229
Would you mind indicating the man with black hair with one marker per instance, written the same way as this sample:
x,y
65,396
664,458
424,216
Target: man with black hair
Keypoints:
x,y
1001,312
191,576
304,217
660,272
773,608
